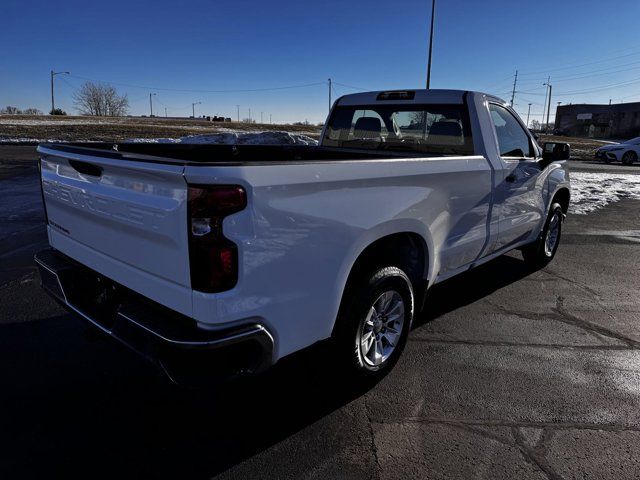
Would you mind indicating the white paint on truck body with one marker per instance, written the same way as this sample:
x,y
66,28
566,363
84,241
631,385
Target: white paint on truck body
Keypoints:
x,y
305,223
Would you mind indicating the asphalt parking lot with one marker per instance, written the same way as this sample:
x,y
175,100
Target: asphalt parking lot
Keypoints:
x,y
507,374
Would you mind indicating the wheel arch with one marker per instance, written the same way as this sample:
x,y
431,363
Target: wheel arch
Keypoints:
x,y
561,196
407,249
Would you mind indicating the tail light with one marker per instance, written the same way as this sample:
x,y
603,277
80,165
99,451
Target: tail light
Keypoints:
x,y
213,259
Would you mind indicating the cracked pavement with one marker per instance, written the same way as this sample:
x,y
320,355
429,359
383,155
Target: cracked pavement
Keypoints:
x,y
507,374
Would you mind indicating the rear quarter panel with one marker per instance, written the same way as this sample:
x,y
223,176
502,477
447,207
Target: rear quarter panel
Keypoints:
x,y
306,224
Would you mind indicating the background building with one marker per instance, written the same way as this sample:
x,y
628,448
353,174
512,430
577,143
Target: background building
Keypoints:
x,y
621,120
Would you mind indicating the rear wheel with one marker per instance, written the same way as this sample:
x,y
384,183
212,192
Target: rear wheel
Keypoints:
x,y
629,157
542,251
374,322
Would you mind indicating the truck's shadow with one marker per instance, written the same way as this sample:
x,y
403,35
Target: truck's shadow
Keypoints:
x,y
74,405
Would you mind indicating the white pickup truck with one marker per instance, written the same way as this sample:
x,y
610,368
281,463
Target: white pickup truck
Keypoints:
x,y
221,258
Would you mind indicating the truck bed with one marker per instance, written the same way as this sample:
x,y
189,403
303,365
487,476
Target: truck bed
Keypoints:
x,y
232,155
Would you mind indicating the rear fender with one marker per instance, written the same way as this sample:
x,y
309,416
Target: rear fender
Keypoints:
x,y
377,233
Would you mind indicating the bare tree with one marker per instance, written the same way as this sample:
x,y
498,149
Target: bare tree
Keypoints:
x,y
100,100
11,110
32,111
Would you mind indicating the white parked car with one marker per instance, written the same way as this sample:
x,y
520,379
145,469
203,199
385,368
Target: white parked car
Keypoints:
x,y
625,152
222,257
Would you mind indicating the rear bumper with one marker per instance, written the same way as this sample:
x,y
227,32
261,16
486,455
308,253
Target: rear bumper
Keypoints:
x,y
173,341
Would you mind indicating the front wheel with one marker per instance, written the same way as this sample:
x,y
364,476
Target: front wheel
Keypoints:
x,y
629,157
374,322
541,252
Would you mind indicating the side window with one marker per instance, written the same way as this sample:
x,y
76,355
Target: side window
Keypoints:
x,y
513,141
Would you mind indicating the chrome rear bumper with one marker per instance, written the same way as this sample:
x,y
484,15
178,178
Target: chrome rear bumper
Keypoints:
x,y
172,341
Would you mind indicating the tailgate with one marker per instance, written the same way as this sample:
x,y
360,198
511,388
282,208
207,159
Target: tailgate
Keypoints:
x,y
129,213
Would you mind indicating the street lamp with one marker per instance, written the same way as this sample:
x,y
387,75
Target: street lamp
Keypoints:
x,y
151,103
193,108
53,74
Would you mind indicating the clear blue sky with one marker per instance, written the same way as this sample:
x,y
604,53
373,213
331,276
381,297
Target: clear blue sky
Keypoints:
x,y
371,44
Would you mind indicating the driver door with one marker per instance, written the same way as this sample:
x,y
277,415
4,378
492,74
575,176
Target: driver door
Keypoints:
x,y
519,194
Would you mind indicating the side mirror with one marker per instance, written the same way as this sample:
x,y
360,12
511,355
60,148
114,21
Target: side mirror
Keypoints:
x,y
555,151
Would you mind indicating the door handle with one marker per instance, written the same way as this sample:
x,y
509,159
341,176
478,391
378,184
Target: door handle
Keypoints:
x,y
510,178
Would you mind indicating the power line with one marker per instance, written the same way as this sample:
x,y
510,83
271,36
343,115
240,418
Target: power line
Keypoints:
x,y
568,67
601,88
351,86
186,90
583,75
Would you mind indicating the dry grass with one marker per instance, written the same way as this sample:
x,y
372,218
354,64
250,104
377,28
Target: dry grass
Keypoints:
x,y
107,129
581,148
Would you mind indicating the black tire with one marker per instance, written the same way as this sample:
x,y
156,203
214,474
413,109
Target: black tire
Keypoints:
x,y
607,159
359,299
537,254
629,157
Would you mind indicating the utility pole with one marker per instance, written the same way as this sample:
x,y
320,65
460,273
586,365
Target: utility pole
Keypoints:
x,y
546,129
53,74
270,122
151,103
433,16
546,93
513,92
193,108
528,112
329,94
238,107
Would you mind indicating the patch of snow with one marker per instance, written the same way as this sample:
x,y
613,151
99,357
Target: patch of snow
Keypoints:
x,y
591,191
151,140
45,121
235,138
29,140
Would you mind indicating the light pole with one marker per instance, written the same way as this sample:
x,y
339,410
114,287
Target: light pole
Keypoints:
x,y
433,16
238,107
528,112
151,103
53,74
193,108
